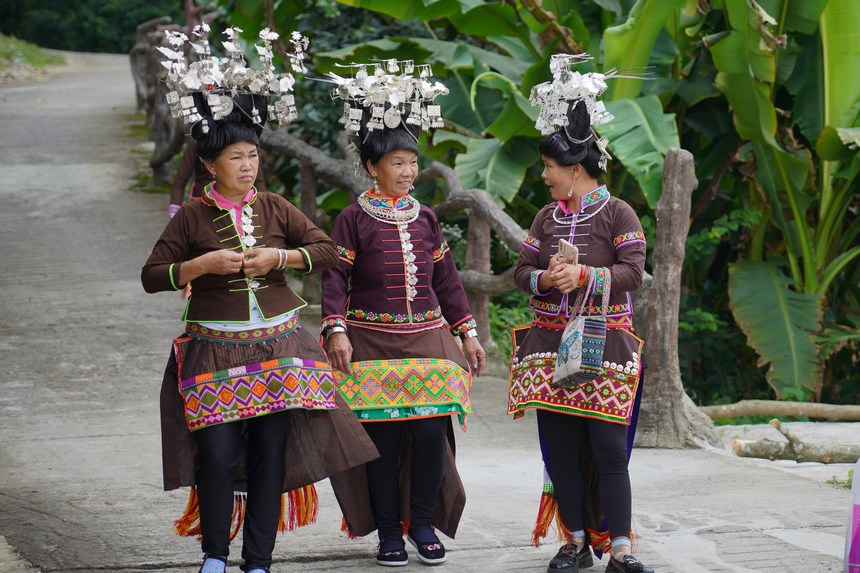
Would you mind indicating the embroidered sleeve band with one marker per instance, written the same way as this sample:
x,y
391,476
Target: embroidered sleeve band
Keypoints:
x,y
532,242
332,321
533,283
346,255
440,252
464,326
629,239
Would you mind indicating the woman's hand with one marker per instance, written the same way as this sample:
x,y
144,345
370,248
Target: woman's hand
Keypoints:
x,y
566,277
549,280
339,351
258,262
475,354
223,262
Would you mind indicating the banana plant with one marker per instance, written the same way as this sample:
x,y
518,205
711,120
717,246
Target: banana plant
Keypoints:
x,y
806,200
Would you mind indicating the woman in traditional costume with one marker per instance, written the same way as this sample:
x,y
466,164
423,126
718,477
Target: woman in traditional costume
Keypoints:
x,y
249,405
390,308
584,429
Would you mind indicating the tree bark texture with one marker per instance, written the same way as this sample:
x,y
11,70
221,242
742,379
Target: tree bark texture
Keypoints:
x,y
311,285
668,417
478,260
796,449
829,412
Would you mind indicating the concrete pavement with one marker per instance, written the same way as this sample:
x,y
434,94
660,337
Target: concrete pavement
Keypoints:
x,y
83,348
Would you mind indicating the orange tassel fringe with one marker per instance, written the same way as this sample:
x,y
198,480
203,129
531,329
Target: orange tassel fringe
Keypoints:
x,y
299,507
548,513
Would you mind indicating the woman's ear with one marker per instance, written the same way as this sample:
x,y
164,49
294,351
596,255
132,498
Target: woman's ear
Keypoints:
x,y
370,168
210,166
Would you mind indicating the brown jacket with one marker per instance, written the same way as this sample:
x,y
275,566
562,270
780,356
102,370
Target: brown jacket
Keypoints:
x,y
201,226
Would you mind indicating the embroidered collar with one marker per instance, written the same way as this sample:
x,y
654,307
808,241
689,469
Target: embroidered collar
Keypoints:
x,y
590,198
386,202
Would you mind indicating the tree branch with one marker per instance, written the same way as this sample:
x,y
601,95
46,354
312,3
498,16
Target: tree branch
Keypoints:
x,y
830,412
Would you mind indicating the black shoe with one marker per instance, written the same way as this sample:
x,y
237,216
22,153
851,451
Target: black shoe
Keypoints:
x,y
431,552
392,553
570,560
628,564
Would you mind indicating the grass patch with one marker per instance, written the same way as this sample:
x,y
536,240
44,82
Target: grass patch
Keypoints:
x,y
842,483
14,50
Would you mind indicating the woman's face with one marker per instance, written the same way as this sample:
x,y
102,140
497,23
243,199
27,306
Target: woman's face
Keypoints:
x,y
559,178
236,168
395,172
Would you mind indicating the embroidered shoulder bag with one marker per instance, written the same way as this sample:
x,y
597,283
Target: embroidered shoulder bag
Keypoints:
x,y
580,353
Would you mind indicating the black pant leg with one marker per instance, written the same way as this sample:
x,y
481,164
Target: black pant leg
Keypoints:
x,y
428,468
267,436
383,478
609,445
563,434
216,466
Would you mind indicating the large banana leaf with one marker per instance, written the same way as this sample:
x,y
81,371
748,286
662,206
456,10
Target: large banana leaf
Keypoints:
x,y
778,323
783,178
639,136
630,44
840,45
747,69
495,165
795,15
518,117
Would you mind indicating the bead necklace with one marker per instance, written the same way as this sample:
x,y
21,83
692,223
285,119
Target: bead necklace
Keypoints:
x,y
571,219
390,215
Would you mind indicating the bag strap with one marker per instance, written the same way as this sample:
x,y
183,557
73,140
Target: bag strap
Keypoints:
x,y
601,279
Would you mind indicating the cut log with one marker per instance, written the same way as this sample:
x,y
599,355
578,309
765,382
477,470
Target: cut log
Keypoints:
x,y
795,449
829,412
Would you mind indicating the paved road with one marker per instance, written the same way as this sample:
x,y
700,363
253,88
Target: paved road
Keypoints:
x,y
82,349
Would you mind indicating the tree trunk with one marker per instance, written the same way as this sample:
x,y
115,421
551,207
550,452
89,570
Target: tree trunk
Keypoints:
x,y
668,417
311,287
478,259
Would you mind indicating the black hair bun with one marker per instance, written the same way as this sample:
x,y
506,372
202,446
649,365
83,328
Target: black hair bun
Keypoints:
x,y
579,121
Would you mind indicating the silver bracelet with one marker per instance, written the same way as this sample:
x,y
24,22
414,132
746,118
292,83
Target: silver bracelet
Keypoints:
x,y
334,329
473,333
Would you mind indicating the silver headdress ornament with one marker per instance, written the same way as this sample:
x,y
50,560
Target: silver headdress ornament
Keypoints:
x,y
218,79
389,90
571,88
389,84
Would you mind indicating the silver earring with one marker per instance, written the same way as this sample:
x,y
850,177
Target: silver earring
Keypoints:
x,y
570,193
376,190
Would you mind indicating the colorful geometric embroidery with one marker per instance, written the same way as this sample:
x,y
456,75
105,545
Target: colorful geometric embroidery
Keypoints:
x,y
389,319
254,336
533,282
440,252
257,390
548,308
532,243
406,388
464,326
628,238
346,255
597,195
608,397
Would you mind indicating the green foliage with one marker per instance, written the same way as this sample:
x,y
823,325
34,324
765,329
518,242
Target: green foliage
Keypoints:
x,y
508,312
14,50
842,483
757,91
83,25
778,323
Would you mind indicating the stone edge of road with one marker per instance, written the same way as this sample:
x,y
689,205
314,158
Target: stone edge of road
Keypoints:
x,y
11,562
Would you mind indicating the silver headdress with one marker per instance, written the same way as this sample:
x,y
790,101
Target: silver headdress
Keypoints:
x,y
568,89
392,94
219,79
